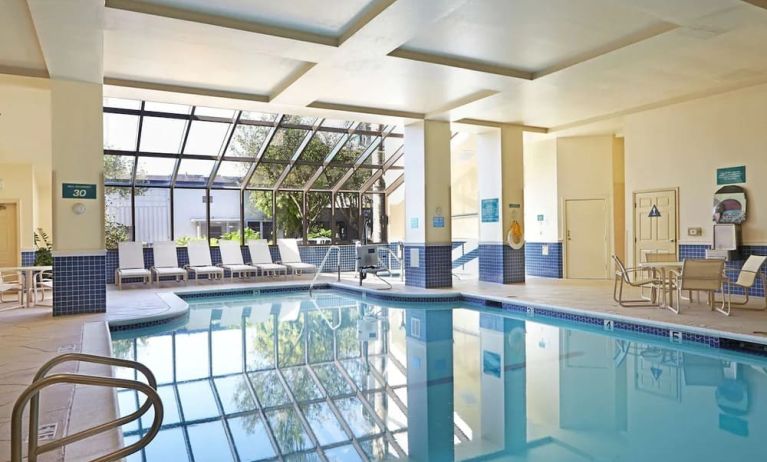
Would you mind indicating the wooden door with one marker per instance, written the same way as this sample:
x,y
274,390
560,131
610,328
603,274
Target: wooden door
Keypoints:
x,y
654,234
586,235
9,232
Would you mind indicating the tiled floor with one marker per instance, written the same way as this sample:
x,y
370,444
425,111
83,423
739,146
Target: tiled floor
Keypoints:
x,y
30,336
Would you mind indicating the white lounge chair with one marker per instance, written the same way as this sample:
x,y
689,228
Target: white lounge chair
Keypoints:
x,y
200,262
166,262
261,258
131,263
43,281
292,258
749,274
231,259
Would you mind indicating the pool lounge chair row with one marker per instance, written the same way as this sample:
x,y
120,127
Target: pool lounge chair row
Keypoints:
x,y
131,261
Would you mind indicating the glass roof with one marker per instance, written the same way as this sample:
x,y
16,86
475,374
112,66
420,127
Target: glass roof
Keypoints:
x,y
170,145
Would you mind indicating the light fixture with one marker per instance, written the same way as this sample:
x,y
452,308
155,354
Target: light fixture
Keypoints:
x,y
654,212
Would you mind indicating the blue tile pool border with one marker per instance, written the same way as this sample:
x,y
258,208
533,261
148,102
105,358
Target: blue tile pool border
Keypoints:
x,y
672,333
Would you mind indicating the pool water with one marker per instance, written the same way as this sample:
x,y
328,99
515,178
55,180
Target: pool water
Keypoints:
x,y
334,377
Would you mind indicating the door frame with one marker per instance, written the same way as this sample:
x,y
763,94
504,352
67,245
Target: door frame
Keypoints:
x,y
634,223
609,241
17,204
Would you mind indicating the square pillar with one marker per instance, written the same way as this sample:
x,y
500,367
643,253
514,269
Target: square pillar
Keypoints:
x,y
79,281
428,246
501,227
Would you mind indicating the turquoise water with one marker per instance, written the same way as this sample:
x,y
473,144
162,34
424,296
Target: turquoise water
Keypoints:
x,y
290,377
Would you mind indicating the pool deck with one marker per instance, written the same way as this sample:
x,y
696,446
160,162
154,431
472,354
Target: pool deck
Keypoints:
x,y
31,336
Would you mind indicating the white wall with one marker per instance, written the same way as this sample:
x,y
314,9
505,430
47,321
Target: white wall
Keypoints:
x,y
540,169
682,146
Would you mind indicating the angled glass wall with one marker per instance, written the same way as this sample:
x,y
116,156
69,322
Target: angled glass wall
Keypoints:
x,y
183,172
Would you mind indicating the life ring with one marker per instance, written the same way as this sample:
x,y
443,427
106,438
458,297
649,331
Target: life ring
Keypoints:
x,y
514,236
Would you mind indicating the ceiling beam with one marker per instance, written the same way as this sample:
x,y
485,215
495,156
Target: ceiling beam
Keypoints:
x,y
202,91
368,14
492,123
292,78
460,102
24,71
366,110
463,63
759,3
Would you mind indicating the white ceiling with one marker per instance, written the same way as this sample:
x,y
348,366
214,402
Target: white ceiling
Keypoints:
x,y
552,63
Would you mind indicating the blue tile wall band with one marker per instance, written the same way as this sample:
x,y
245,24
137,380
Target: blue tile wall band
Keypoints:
x,y
79,284
28,257
733,266
435,266
501,264
540,265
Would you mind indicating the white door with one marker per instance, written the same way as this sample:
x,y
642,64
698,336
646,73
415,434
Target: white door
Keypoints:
x,y
587,238
656,234
9,252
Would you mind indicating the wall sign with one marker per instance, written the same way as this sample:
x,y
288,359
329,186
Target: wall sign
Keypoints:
x,y
731,175
490,210
78,191
539,218
438,222
414,223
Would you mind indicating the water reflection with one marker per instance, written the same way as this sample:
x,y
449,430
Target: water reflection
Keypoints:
x,y
336,378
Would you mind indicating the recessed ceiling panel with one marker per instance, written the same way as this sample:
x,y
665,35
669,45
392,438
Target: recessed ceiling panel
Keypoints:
x,y
531,35
316,16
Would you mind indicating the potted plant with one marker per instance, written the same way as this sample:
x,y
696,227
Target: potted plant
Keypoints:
x,y
43,247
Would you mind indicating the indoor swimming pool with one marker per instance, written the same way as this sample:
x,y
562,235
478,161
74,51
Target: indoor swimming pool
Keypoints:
x,y
337,377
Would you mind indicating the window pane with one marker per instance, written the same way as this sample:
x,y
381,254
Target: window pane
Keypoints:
x,y
347,217
284,143
337,123
120,131
167,107
353,148
320,146
299,176
262,116
266,175
358,178
247,140
122,103
298,120
224,215
318,215
118,169
391,146
117,217
374,217
329,177
189,212
386,180
214,112
161,135
289,216
194,172
152,215
205,138
258,214
230,173
154,171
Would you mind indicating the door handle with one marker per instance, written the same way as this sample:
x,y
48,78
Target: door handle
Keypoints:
x,y
672,240
568,235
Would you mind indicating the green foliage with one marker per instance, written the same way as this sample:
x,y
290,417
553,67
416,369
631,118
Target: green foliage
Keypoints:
x,y
317,231
237,235
43,247
114,232
184,240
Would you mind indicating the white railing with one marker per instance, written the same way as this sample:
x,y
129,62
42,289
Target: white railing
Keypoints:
x,y
322,265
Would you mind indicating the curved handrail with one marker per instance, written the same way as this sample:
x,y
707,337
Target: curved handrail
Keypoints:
x,y
322,265
34,404
34,389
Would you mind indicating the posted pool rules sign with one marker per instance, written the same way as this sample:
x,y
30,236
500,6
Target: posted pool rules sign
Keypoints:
x,y
78,191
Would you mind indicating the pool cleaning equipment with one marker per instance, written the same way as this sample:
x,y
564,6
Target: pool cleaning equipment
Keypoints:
x,y
369,263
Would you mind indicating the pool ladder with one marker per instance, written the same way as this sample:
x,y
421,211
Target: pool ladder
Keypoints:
x,y
31,395
322,265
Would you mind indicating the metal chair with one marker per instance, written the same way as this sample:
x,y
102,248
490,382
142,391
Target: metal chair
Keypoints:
x,y
749,273
628,276
701,276
11,285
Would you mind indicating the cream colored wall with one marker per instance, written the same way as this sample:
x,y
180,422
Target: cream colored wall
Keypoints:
x,y
540,171
395,211
76,126
619,198
18,185
683,145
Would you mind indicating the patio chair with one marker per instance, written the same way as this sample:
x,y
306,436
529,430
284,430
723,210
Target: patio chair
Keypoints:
x,y
166,262
629,277
261,258
701,276
131,263
11,285
231,259
43,281
749,274
292,258
200,261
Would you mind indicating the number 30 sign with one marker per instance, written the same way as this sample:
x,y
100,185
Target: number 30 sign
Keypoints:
x,y
78,191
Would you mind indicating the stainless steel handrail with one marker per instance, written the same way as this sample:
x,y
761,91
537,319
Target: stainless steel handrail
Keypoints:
x,y
388,262
322,265
32,393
